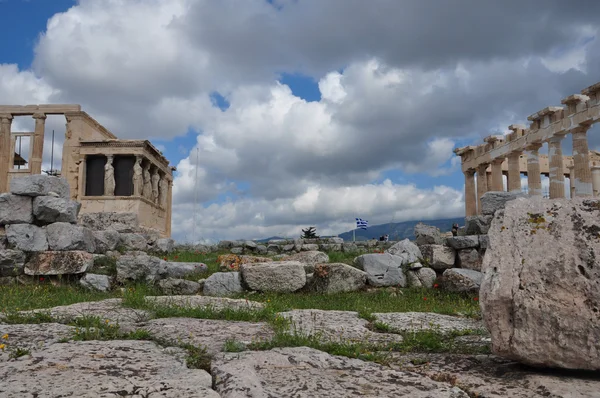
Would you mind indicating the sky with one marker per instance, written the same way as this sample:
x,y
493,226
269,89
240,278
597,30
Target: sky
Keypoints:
x,y
283,114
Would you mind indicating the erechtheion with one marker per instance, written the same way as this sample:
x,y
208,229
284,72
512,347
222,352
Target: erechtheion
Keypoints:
x,y
104,173
505,154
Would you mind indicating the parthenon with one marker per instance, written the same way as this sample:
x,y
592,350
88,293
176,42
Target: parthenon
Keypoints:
x,y
105,174
518,152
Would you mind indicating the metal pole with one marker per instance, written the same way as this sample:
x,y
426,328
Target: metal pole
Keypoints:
x,y
52,155
196,195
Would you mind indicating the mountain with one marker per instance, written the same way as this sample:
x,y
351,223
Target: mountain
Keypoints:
x,y
400,230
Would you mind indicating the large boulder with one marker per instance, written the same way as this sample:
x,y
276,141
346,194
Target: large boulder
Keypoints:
x,y
12,262
469,259
540,293
164,245
310,258
281,277
95,282
180,269
49,209
134,241
421,277
66,236
336,278
15,209
120,222
138,266
439,257
232,262
382,269
477,225
106,241
223,284
407,249
40,185
463,242
427,235
495,200
27,237
462,280
176,287
59,263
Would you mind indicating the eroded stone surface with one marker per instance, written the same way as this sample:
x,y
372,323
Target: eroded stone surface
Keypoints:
x,y
281,277
32,337
216,303
40,185
462,280
418,321
307,373
15,209
223,284
103,369
336,278
335,326
59,263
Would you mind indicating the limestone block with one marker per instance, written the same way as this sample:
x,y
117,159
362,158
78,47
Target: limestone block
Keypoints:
x,y
421,277
59,263
40,185
236,250
382,269
350,248
27,237
477,225
539,296
250,245
335,240
223,284
106,241
310,247
496,200
95,282
406,248
288,248
121,222
225,244
138,266
310,258
427,235
180,270
172,286
49,209
12,262
463,242
336,278
439,257
15,209
261,249
469,259
273,248
283,276
65,236
462,280
134,241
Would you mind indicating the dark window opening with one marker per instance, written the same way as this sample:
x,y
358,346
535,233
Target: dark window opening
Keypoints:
x,y
94,175
123,175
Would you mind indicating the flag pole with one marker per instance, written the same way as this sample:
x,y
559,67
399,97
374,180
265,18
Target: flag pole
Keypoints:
x,y
354,235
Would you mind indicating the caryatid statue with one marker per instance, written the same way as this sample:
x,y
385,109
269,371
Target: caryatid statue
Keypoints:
x,y
163,188
155,180
109,177
147,190
138,177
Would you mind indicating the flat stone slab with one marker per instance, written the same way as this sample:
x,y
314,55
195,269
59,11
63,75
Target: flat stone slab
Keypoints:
x,y
104,369
109,309
493,377
418,321
335,326
207,332
32,337
216,303
307,373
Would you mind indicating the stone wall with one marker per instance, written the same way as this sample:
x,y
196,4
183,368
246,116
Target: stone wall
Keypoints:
x,y
280,246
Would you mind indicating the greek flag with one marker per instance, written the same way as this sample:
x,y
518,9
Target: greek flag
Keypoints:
x,y
361,224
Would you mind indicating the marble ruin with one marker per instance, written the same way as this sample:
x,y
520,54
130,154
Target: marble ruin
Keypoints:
x,y
518,152
105,174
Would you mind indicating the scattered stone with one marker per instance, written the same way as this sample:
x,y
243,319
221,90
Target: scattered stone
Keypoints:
x,y
469,259
65,236
438,257
27,237
406,249
288,248
49,209
237,250
12,262
427,235
120,222
40,185
477,225
106,241
223,284
261,249
180,270
310,247
232,262
15,209
139,266
59,263
212,334
309,259
496,200
304,372
250,245
164,245
400,322
350,248
382,269
462,280
95,282
540,297
281,277
214,303
171,286
463,242
98,368
336,278
421,277
134,241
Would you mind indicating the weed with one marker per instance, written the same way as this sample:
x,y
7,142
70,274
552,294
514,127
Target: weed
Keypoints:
x,y
19,352
232,345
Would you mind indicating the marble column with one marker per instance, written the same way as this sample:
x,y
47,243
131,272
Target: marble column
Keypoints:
x,y
514,172
470,198
37,153
596,180
481,184
534,175
557,178
581,160
497,184
5,155
572,181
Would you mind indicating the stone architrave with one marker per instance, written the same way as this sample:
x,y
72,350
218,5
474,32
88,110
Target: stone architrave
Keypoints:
x,y
163,192
147,190
109,177
155,182
138,177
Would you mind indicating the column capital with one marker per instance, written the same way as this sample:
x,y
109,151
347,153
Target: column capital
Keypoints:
x,y
469,172
498,161
6,117
556,138
534,146
41,116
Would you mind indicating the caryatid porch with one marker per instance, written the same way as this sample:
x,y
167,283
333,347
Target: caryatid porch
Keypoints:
x,y
518,152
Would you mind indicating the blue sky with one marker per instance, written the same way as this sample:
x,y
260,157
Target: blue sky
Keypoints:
x,y
366,131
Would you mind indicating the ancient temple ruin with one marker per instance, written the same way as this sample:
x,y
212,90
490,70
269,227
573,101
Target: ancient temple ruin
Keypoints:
x,y
105,174
518,152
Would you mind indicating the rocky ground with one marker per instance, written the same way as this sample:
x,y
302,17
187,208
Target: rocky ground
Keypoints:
x,y
106,349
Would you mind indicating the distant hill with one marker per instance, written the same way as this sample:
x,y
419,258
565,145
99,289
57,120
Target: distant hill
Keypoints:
x,y
400,230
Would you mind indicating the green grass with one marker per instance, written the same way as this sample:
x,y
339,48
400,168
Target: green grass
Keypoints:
x,y
104,266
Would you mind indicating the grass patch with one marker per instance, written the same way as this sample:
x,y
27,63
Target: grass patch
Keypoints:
x,y
19,352
15,318
232,345
104,265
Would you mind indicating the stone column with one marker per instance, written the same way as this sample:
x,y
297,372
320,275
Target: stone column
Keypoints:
x,y
497,184
481,184
470,198
169,207
572,181
5,155
155,181
596,180
70,155
557,178
581,159
534,175
514,172
35,164
138,176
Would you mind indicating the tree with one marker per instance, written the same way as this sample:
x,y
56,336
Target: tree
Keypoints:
x,y
309,233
